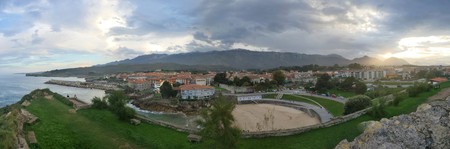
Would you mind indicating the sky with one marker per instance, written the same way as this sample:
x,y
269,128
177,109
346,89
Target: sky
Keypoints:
x,y
40,35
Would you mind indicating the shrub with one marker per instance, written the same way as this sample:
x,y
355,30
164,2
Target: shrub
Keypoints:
x,y
357,103
377,110
398,98
415,90
125,113
98,103
117,101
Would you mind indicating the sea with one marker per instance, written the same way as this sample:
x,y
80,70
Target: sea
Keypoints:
x,y
14,86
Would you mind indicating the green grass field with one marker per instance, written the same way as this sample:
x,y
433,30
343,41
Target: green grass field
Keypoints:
x,y
270,96
93,128
342,93
335,108
296,98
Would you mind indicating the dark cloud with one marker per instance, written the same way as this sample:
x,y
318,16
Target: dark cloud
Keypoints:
x,y
156,17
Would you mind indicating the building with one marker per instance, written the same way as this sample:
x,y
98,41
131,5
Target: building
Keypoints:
x,y
194,91
139,85
369,74
249,97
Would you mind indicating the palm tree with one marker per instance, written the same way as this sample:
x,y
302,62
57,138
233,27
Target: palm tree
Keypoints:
x,y
217,124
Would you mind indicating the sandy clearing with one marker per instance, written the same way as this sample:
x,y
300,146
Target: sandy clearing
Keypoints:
x,y
263,117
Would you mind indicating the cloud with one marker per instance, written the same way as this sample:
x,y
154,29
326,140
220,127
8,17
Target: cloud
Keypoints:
x,y
67,32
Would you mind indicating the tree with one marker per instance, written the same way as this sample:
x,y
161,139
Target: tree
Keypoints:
x,y
347,85
323,83
117,101
98,103
166,90
378,110
246,81
360,87
218,125
279,77
237,81
357,103
221,78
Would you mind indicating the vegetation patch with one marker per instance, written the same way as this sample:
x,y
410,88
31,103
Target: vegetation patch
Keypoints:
x,y
334,107
299,98
93,128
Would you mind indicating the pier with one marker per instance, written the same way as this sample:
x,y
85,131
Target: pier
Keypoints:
x,y
80,84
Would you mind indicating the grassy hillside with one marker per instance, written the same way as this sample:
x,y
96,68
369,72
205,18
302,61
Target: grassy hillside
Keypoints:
x,y
90,128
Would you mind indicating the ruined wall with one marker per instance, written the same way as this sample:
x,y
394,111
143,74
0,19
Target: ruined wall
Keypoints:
x,y
428,127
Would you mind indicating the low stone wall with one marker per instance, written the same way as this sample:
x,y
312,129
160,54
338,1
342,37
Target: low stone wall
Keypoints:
x,y
287,132
166,124
236,89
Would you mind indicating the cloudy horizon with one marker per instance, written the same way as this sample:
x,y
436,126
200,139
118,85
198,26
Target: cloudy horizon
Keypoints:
x,y
39,35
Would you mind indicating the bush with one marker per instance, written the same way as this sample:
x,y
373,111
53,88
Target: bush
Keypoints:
x,y
357,103
377,110
398,98
98,103
415,90
125,113
117,101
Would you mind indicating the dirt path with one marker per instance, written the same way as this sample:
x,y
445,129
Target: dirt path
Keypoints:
x,y
441,95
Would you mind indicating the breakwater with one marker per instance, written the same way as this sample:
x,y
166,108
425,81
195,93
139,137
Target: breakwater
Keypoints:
x,y
80,84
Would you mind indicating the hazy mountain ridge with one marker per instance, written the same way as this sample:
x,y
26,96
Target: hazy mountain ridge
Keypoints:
x,y
217,61
245,59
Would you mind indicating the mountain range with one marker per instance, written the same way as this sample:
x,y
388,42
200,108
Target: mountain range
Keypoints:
x,y
237,59
245,59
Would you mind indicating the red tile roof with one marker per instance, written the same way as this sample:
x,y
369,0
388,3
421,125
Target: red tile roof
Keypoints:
x,y
439,79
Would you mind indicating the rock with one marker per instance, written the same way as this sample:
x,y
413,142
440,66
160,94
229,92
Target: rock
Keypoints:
x,y
423,107
344,144
428,127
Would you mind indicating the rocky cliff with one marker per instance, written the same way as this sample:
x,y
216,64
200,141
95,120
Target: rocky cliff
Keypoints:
x,y
428,127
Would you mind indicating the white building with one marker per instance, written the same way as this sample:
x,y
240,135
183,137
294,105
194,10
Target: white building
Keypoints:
x,y
369,74
249,97
194,91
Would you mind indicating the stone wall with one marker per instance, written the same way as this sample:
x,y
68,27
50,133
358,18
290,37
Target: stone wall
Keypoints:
x,y
166,124
428,127
236,89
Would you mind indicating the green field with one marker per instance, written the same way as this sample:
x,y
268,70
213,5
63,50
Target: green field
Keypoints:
x,y
272,96
345,94
92,128
335,108
300,99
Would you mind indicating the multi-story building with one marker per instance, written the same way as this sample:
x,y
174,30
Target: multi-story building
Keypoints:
x,y
139,85
194,91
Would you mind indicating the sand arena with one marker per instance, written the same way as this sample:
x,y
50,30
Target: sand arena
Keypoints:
x,y
264,117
